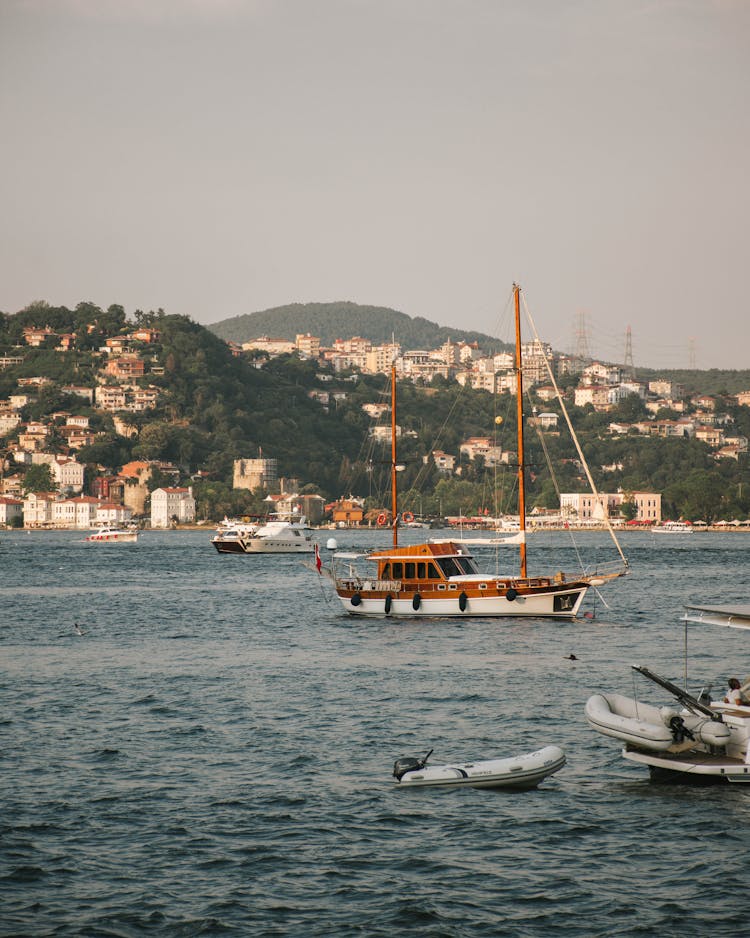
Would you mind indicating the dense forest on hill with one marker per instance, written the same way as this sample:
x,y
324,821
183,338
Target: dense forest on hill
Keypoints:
x,y
342,320
713,381
215,408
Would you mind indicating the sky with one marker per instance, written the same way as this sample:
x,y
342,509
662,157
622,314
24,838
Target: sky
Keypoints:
x,y
218,157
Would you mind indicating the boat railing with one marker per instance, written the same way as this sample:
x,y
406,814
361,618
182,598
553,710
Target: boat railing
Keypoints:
x,y
354,582
609,569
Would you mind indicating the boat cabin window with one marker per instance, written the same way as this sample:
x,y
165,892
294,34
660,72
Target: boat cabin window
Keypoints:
x,y
416,570
456,566
467,565
410,570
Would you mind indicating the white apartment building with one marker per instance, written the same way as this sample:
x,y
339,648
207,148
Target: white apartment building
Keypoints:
x,y
110,398
308,345
37,509
273,346
10,508
547,421
383,433
107,512
375,411
66,471
8,422
482,446
534,359
378,359
503,361
664,388
586,507
444,461
597,373
79,512
172,503
596,395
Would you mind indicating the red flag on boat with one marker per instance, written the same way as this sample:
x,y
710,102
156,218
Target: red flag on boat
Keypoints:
x,y
318,561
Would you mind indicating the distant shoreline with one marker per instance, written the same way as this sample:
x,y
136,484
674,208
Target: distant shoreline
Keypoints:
x,y
532,529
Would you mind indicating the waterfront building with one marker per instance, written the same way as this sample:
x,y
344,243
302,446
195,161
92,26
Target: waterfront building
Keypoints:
x,y
587,508
172,505
10,509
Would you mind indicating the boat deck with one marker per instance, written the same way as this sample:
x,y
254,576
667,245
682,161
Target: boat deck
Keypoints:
x,y
702,765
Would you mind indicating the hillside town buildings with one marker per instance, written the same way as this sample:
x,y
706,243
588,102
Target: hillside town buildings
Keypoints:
x,y
121,388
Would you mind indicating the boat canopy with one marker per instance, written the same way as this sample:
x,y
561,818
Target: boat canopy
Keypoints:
x,y
736,617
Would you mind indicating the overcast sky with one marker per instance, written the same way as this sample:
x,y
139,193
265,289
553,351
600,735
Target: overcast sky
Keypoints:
x,y
218,157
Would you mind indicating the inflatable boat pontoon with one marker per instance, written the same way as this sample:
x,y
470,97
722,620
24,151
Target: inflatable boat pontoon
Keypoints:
x,y
517,772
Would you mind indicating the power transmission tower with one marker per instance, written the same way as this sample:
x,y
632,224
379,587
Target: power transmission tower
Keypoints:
x,y
582,354
691,353
627,366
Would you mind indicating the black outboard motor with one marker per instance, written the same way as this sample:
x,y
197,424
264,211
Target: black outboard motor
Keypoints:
x,y
402,766
679,731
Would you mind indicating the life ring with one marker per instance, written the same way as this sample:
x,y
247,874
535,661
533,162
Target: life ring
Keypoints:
x,y
511,595
388,603
356,600
416,601
407,517
463,599
382,519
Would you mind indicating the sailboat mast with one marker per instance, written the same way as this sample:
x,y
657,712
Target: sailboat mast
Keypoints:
x,y
519,418
393,456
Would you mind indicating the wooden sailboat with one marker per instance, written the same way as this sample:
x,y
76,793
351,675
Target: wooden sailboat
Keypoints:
x,y
441,578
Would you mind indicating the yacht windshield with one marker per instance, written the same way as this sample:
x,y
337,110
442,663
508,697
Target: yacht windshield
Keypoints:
x,y
456,566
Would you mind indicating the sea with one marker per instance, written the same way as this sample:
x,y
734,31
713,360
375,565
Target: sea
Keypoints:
x,y
213,754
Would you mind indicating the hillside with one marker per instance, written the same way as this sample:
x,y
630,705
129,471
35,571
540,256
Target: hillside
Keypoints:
x,y
341,320
210,407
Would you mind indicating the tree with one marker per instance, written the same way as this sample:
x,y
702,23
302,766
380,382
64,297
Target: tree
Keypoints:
x,y
38,478
629,508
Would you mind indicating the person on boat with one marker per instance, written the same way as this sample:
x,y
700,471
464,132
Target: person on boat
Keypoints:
x,y
735,695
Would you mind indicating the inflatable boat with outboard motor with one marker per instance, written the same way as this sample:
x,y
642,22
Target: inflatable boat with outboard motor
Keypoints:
x,y
655,729
701,740
518,772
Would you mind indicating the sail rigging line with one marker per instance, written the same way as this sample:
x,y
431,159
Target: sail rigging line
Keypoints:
x,y
420,480
369,448
553,477
574,436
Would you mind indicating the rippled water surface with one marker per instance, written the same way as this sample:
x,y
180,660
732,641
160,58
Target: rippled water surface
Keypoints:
x,y
213,755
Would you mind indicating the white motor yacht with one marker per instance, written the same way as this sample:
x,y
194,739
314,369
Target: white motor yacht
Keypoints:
x,y
113,533
276,536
